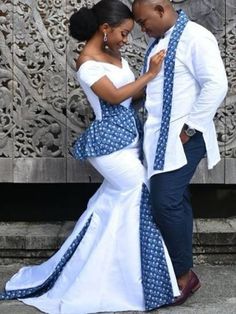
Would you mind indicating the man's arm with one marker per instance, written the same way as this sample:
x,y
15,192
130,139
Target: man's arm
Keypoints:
x,y
205,63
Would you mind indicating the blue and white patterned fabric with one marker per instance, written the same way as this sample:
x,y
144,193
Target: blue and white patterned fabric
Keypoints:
x,y
153,44
155,276
169,66
117,129
47,284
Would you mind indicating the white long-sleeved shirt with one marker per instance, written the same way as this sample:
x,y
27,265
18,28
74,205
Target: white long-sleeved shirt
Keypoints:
x,y
200,86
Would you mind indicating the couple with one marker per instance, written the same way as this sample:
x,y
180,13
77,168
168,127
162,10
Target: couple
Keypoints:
x,y
116,259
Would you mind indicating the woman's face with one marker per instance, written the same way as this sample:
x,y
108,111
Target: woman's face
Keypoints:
x,y
118,36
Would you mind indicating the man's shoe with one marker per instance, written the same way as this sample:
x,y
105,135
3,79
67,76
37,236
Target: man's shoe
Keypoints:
x,y
192,286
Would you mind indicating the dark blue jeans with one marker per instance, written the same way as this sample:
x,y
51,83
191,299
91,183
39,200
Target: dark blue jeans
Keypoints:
x,y
171,205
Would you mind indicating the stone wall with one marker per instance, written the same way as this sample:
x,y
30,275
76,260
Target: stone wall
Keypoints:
x,y
42,109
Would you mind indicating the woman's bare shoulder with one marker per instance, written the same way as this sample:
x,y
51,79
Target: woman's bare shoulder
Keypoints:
x,y
82,59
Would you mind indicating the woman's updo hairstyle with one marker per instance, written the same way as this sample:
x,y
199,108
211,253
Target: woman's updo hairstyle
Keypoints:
x,y
84,23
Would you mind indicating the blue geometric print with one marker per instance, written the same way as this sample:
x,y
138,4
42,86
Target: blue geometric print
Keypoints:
x,y
155,275
116,130
169,65
149,50
50,281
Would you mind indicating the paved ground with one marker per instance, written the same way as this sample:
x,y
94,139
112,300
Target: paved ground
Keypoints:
x,y
216,296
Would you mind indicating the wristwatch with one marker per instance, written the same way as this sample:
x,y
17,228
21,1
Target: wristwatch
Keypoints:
x,y
188,130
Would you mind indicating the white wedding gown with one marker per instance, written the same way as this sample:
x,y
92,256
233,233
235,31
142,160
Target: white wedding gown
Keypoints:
x,y
99,266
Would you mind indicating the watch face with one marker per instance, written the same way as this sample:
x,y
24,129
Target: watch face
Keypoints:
x,y
190,132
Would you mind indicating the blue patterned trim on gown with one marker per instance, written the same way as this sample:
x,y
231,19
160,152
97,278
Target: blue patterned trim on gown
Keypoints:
x,y
50,281
155,275
117,129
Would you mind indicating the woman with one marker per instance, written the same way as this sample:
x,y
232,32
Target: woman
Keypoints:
x,y
115,259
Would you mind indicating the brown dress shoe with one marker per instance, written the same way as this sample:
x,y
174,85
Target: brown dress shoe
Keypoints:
x,y
192,286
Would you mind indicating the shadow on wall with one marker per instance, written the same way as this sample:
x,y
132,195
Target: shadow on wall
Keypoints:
x,y
53,202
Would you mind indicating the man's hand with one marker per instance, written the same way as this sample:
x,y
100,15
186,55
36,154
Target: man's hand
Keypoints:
x,y
184,137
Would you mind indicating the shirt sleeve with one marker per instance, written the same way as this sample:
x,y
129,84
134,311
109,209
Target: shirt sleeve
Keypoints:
x,y
90,72
205,63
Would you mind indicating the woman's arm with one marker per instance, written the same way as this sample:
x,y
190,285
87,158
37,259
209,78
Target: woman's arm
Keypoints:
x,y
107,91
139,95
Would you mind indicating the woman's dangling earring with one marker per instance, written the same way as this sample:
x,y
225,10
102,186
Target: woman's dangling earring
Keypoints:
x,y
105,37
105,40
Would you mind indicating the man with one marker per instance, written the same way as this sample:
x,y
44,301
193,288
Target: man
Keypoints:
x,y
181,103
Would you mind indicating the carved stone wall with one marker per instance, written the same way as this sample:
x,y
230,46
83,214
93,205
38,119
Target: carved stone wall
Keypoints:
x,y
42,108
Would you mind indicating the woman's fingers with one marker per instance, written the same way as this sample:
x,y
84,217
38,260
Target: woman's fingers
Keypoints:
x,y
159,56
156,62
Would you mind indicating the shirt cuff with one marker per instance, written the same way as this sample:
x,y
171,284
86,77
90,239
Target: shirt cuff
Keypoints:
x,y
195,126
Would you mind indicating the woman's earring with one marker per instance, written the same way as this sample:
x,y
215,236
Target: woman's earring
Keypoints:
x,y
105,41
105,38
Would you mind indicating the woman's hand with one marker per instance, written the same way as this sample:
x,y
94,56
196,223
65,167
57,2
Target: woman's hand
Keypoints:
x,y
106,90
156,62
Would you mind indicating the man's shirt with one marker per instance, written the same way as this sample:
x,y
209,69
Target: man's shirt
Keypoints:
x,y
200,86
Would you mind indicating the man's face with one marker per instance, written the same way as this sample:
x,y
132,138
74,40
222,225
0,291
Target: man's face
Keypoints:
x,y
149,18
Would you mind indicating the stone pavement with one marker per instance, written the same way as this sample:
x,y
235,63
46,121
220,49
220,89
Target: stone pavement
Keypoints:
x,y
216,296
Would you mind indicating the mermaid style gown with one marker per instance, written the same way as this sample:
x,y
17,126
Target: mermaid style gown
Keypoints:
x,y
115,258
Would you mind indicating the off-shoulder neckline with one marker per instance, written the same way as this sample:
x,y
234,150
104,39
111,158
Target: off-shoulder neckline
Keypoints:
x,y
103,62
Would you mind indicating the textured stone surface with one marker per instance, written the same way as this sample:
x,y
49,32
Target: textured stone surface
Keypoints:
x,y
216,296
214,240
43,109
